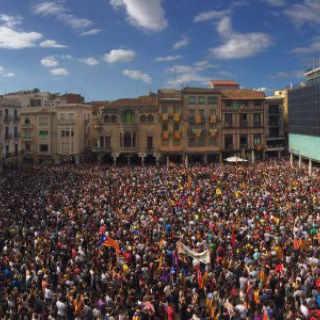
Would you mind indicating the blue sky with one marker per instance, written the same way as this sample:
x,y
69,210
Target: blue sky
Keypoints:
x,y
108,49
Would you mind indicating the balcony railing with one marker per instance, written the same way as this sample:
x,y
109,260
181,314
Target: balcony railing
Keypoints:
x,y
101,149
8,136
26,125
26,138
243,124
8,118
229,147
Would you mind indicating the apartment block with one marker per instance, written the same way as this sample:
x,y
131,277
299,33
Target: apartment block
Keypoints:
x,y
125,131
275,136
54,135
10,150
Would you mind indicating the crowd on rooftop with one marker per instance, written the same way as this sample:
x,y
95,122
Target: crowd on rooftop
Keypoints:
x,y
95,242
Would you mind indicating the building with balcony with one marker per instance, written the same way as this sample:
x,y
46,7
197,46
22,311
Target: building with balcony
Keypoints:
x,y
202,115
275,138
304,119
125,131
54,135
10,149
243,129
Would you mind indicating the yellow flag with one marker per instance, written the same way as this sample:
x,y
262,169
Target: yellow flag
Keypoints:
x,y
218,192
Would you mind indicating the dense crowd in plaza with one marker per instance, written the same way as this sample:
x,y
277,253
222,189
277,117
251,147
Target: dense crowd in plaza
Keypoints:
x,y
80,242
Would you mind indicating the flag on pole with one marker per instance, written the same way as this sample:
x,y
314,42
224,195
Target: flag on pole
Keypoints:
x,y
113,244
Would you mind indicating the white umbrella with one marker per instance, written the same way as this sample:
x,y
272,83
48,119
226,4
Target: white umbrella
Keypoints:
x,y
235,159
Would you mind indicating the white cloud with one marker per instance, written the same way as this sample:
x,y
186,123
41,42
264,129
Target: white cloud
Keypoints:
x,y
313,47
57,10
183,42
119,55
276,3
262,89
10,21
12,39
49,62
137,75
308,13
287,74
236,45
59,72
90,32
145,14
168,58
90,61
210,15
189,73
8,75
51,44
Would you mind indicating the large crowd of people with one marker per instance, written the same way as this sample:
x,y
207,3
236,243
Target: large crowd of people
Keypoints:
x,y
80,242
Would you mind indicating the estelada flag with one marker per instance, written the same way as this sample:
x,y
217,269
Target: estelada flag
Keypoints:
x,y
112,243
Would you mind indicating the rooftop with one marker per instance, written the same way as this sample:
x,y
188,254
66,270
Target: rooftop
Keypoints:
x,y
242,94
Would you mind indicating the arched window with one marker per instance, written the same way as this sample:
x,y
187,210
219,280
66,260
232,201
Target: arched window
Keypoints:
x,y
150,118
106,119
113,118
128,116
127,140
143,118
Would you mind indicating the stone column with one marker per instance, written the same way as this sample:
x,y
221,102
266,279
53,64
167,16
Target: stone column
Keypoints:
x,y
253,157
205,158
291,159
310,167
300,160
220,157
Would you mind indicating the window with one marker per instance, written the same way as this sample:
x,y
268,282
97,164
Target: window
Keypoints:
x,y
67,132
212,99
164,108
127,140
43,134
150,118
257,119
128,116
257,103
228,141
7,151
201,100
143,118
243,120
257,138
243,141
27,121
15,114
28,147
164,126
43,121
7,134
149,143
16,135
191,100
6,113
43,148
71,116
16,150
176,126
62,116
176,109
106,119
228,119
114,119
